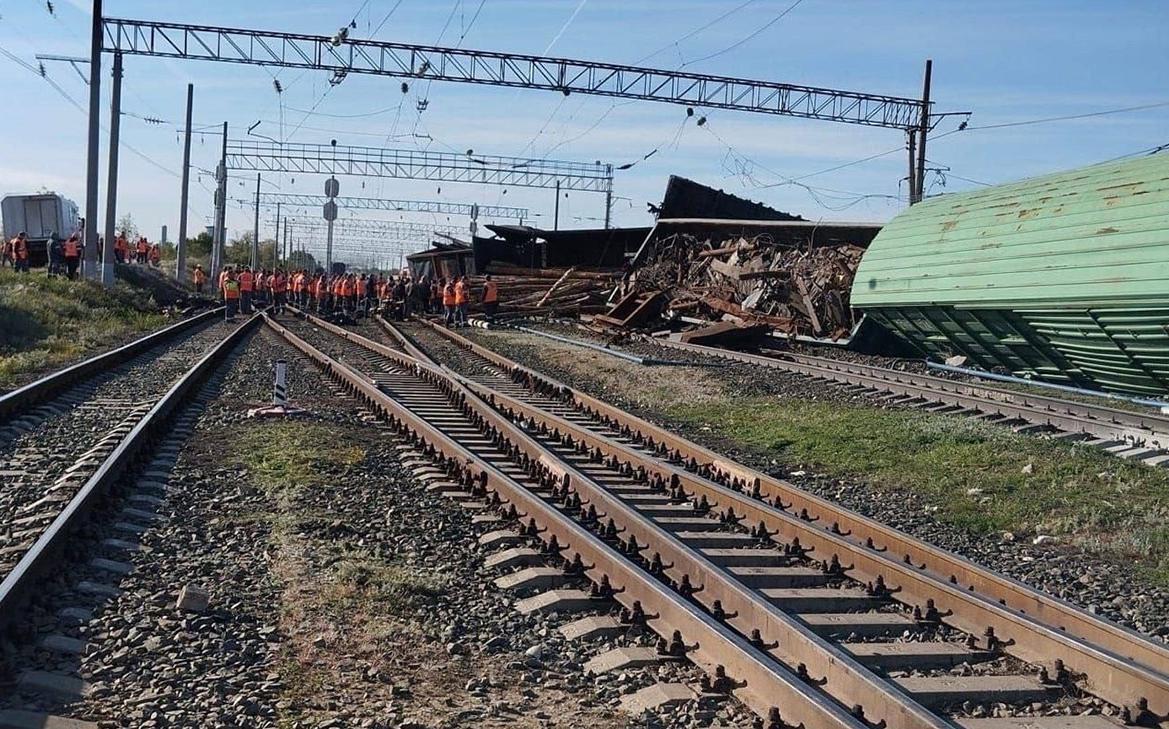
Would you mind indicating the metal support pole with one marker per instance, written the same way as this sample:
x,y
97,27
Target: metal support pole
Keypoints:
x,y
276,239
106,267
218,230
185,192
256,228
556,213
284,248
924,130
329,248
912,187
609,197
91,159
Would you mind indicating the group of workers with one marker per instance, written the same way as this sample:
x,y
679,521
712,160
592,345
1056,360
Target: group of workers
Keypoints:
x,y
347,294
64,256
142,253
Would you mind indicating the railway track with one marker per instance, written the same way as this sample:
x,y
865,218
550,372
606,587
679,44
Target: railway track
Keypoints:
x,y
1139,436
62,549
791,603
50,448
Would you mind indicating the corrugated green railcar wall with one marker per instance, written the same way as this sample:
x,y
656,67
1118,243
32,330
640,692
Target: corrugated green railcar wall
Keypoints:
x,y
1063,277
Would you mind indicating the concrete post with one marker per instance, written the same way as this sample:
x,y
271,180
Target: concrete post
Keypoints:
x,y
184,193
106,266
91,159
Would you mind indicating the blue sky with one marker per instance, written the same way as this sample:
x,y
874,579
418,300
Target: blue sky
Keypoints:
x,y
1004,61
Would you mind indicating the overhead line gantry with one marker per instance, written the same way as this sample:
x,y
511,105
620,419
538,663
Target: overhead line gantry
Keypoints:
x,y
345,55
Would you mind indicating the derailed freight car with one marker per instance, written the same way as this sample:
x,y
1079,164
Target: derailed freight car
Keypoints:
x,y
1063,278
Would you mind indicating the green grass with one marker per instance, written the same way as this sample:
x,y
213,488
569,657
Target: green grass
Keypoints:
x,y
975,473
46,322
285,457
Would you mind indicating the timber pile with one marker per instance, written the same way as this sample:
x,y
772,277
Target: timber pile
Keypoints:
x,y
755,281
560,291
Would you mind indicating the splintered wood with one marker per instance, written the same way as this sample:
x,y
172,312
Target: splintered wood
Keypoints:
x,y
526,291
795,290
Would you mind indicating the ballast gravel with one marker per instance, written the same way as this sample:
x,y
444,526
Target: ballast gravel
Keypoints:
x,y
1112,590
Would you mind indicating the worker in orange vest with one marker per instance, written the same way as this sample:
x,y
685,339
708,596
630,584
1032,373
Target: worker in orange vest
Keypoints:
x,y
448,301
337,291
20,252
279,291
247,285
200,278
142,249
155,255
231,295
461,301
72,251
490,298
121,248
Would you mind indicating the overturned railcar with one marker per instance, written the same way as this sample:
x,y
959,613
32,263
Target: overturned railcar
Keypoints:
x,y
1063,278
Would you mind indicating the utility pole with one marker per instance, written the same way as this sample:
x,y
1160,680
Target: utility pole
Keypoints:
x,y
256,228
106,266
284,248
184,194
217,232
556,213
276,239
91,158
912,134
923,130
609,196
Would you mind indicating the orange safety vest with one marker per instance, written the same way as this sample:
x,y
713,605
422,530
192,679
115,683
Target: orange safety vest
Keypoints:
x,y
20,247
230,289
141,245
448,295
246,281
200,277
346,287
120,244
490,292
71,249
460,293
278,284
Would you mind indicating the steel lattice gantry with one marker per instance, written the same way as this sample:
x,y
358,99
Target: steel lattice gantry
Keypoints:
x,y
440,207
402,230
418,165
290,50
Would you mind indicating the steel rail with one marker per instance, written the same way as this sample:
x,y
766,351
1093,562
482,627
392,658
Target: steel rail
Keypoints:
x,y
768,684
44,555
1042,625
23,398
1072,417
849,681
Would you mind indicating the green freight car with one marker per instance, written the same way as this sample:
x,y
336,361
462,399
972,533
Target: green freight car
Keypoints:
x,y
1063,278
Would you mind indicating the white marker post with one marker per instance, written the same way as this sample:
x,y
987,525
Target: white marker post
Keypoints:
x,y
280,406
280,387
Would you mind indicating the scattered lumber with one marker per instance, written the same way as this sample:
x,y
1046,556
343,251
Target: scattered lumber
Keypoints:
x,y
794,289
546,291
